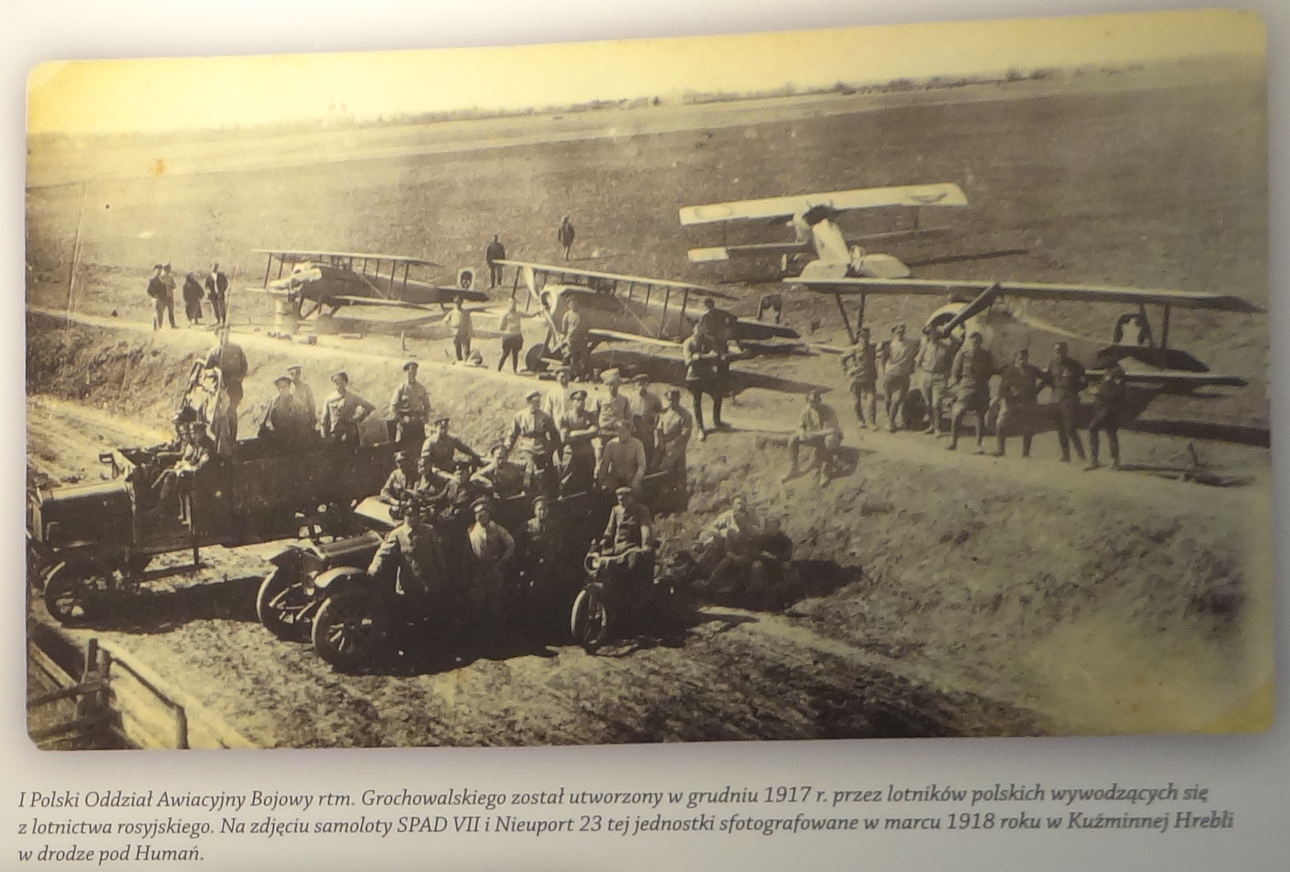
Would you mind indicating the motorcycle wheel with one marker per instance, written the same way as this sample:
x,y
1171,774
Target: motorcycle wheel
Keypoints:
x,y
347,630
589,620
281,605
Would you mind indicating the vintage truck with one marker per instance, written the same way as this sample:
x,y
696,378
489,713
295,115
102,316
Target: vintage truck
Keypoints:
x,y
90,542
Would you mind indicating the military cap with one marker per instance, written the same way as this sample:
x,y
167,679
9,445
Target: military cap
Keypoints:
x,y
897,327
622,491
533,393
814,394
186,415
340,374
481,503
401,455
560,369
282,379
411,364
440,419
156,266
579,394
295,367
641,379
974,334
611,377
672,392
166,265
540,498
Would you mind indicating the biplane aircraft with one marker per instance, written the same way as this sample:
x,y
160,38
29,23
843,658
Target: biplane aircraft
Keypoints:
x,y
388,290
623,308
814,218
1147,361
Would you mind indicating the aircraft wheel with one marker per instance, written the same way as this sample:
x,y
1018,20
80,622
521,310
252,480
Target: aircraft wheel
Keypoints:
x,y
535,357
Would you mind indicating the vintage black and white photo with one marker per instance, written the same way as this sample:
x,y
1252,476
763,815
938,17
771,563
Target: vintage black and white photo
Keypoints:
x,y
899,382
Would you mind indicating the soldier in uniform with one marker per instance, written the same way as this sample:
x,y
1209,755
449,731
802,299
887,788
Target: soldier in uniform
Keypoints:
x,y
461,324
646,407
534,440
1065,375
491,550
304,395
503,477
935,357
1108,409
672,435
163,296
196,451
898,359
343,411
439,452
547,574
403,482
412,556
231,361
556,402
410,408
564,235
819,429
701,377
493,253
285,423
861,365
973,369
574,328
1019,386
577,431
622,463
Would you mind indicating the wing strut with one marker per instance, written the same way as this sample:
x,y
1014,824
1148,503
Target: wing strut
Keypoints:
x,y
1164,329
846,322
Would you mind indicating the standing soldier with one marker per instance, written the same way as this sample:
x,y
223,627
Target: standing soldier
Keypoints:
x,y
611,411
935,357
546,567
304,395
412,556
861,365
575,337
463,329
493,253
898,360
229,358
701,377
491,548
1066,377
163,301
343,412
1108,409
511,327
577,431
819,429
216,290
439,453
973,369
193,294
719,326
1019,386
556,402
672,436
564,234
410,408
285,424
534,440
646,407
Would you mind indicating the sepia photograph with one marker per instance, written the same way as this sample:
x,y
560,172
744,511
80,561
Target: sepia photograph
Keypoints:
x,y
890,382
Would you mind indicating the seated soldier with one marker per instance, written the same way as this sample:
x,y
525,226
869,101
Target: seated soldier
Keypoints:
x,y
504,478
819,429
768,577
403,482
440,451
626,547
178,479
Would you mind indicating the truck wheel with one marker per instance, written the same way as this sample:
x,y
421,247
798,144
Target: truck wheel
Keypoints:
x,y
281,604
534,358
347,630
589,620
70,590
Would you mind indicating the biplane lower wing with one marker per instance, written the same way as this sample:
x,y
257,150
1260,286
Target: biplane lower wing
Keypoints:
x,y
1035,291
1136,373
393,317
936,194
621,336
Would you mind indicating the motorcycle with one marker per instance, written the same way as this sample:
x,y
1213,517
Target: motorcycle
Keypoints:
x,y
627,594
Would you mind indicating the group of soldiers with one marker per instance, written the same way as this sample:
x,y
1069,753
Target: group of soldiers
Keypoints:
x,y
954,381
161,290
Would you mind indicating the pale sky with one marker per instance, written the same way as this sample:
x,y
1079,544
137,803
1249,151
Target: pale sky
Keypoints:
x,y
157,95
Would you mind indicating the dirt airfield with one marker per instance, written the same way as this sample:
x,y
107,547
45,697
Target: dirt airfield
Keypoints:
x,y
970,596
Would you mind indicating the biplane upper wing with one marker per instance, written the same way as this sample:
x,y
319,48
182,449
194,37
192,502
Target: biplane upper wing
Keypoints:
x,y
292,255
937,194
1035,291
592,278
